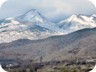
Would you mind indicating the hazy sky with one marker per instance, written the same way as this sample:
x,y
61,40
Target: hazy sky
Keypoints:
x,y
54,10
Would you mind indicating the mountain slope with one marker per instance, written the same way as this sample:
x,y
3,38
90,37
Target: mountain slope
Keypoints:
x,y
77,22
31,25
82,48
79,44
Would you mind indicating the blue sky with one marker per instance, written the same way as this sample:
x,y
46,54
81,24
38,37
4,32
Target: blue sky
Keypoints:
x,y
54,10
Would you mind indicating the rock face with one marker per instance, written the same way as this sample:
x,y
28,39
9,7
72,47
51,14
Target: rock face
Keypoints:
x,y
80,44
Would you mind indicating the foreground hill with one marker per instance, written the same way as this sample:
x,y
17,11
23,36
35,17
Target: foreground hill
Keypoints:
x,y
80,44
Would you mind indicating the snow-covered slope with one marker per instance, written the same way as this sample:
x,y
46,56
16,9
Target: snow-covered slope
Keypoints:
x,y
77,22
31,25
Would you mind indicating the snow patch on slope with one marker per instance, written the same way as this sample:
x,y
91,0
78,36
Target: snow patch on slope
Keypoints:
x,y
77,22
31,25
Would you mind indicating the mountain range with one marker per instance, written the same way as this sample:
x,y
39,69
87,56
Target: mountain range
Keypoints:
x,y
31,36
32,25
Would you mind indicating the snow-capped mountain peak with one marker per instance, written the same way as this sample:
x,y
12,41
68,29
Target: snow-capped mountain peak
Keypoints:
x,y
33,12
77,22
30,16
73,17
31,25
93,15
